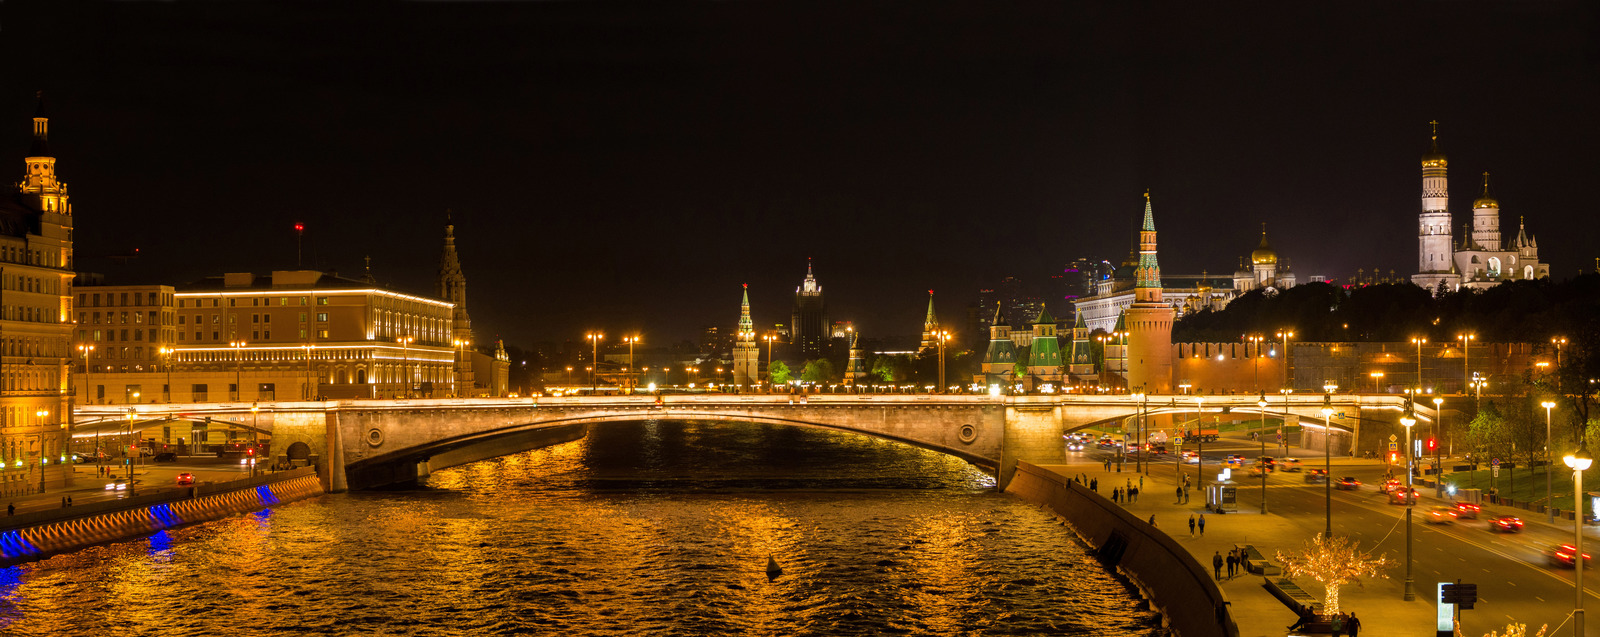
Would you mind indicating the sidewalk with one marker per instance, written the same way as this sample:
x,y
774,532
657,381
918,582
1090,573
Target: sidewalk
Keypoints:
x,y
1256,611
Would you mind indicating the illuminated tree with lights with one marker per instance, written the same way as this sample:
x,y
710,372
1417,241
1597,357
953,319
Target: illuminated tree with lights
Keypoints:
x,y
1512,630
1333,562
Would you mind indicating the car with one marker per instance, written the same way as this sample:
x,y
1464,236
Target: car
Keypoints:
x,y
166,456
1388,485
1564,555
1348,484
1398,496
1467,511
1190,457
1440,515
1271,463
185,479
1506,524
1316,476
1290,464
121,484
1074,446
1234,460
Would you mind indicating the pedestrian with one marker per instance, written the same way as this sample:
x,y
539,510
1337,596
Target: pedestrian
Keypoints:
x,y
1094,485
69,500
1202,525
1135,495
1353,625
1216,564
11,509
1185,496
63,502
1233,563
1177,492
1141,482
1152,519
1191,525
1337,625
1128,484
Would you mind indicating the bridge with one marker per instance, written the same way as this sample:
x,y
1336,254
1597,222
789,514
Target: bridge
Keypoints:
x,y
358,444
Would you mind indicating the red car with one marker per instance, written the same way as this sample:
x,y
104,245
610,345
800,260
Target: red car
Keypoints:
x,y
1398,496
1389,485
1506,524
1565,555
1467,511
1347,484
185,479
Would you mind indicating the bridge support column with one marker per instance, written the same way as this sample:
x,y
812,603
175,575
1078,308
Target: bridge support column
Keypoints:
x,y
333,474
1032,432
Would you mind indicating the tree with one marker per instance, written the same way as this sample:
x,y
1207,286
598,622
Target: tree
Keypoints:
x,y
1512,630
817,371
1333,562
778,373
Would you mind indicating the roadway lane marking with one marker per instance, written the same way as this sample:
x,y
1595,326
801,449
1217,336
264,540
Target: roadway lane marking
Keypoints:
x,y
1538,598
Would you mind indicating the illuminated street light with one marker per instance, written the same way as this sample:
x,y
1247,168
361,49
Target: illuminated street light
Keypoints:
x,y
1327,456
1408,420
1466,357
1579,461
1261,463
1550,512
1419,342
594,339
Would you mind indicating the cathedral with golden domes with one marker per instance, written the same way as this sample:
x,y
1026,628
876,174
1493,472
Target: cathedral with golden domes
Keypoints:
x,y
1482,259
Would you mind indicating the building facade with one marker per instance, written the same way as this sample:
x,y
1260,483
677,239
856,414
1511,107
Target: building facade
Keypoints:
x,y
36,272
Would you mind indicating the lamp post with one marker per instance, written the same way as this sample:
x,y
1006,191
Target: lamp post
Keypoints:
x,y
310,378
132,447
1261,463
1579,461
1558,342
1327,460
594,358
1105,371
1438,431
255,430
1283,437
41,415
1466,357
1257,338
1376,376
238,369
1122,336
631,341
166,354
1200,441
943,337
769,338
1550,512
1138,428
1419,342
1286,335
405,360
86,348
461,356
1408,420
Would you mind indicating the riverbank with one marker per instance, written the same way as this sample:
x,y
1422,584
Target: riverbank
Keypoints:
x,y
39,534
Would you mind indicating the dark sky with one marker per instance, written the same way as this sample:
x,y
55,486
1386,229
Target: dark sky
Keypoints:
x,y
628,166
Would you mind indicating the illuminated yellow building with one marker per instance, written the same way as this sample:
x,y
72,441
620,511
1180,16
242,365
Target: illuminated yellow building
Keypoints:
x,y
35,321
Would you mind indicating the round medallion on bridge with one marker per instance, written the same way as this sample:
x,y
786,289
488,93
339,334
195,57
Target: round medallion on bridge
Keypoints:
x,y
374,437
968,433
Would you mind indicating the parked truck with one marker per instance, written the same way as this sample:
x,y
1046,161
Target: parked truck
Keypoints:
x,y
1205,435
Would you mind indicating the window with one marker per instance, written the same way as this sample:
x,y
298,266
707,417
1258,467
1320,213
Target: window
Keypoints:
x,y
124,318
215,335
283,300
267,334
302,300
124,298
138,318
255,302
151,298
302,334
322,301
96,318
255,318
302,317
255,336
180,319
322,333
138,335
153,318
266,318
322,317
124,335
233,302
216,319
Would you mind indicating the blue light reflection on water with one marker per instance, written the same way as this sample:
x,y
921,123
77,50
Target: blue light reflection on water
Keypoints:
x,y
159,542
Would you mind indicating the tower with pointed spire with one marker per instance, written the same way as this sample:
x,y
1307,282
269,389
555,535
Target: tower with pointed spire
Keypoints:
x,y
1000,359
1484,259
1081,364
453,288
1433,224
930,329
1044,354
855,370
36,244
809,326
746,352
1149,319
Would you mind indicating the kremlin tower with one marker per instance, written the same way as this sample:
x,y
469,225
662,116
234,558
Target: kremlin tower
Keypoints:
x,y
1150,320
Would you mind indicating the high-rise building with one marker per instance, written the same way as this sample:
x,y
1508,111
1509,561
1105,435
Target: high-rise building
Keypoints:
x,y
1149,319
810,324
36,252
746,353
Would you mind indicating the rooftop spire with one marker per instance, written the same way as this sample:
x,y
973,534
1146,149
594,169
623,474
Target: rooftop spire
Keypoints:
x,y
41,130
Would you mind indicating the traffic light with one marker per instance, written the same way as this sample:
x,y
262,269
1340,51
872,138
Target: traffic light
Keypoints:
x,y
250,452
1432,444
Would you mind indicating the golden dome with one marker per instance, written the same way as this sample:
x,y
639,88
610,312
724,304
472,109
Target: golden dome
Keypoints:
x,y
1486,201
1264,255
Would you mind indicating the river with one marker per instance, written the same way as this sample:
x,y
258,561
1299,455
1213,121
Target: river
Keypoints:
x,y
653,528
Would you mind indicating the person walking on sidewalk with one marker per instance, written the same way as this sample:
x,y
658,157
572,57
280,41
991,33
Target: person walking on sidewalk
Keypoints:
x,y
1233,563
1202,525
1152,519
1216,564
1353,625
1178,493
1191,525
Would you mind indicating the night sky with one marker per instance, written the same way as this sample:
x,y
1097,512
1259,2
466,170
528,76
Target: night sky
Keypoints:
x,y
627,167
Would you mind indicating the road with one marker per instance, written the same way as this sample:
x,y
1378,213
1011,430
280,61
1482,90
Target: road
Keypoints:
x,y
1515,584
87,486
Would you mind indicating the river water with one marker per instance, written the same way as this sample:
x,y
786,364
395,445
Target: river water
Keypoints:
x,y
657,528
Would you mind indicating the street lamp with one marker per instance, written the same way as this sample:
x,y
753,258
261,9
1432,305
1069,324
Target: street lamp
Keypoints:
x,y
943,337
594,340
769,338
1376,376
132,447
85,348
1408,420
1419,341
166,354
41,415
1286,335
631,341
1438,430
1579,461
405,360
1283,438
1466,356
1327,459
255,430
461,358
238,369
310,378
1138,460
1558,342
1261,463
1550,512
1257,338
1104,368
1199,438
